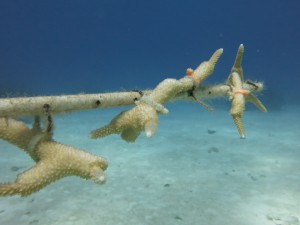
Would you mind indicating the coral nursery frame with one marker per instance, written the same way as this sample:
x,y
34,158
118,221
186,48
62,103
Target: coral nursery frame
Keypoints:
x,y
55,160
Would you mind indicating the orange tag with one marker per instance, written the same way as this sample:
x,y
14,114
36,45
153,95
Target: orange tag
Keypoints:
x,y
243,92
190,72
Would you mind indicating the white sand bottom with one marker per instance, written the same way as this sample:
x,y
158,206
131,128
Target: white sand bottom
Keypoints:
x,y
183,175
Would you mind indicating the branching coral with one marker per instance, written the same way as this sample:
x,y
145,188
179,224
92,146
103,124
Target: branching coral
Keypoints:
x,y
53,160
144,116
239,94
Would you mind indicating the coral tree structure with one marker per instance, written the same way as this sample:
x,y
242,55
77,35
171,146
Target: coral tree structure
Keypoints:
x,y
55,160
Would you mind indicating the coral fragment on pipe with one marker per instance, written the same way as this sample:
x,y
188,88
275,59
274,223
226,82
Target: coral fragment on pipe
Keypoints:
x,y
144,116
240,92
53,160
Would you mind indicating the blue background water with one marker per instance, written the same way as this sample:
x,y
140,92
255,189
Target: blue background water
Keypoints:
x,y
71,46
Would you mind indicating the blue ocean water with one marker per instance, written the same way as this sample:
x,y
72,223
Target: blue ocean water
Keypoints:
x,y
184,174
54,47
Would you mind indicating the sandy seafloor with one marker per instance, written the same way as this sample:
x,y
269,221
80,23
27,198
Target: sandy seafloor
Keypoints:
x,y
182,176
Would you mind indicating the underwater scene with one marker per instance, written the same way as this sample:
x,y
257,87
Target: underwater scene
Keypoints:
x,y
117,112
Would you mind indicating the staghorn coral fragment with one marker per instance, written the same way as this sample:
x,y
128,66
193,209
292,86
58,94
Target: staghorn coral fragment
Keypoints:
x,y
206,68
53,160
237,66
144,116
237,119
240,92
238,102
254,100
129,123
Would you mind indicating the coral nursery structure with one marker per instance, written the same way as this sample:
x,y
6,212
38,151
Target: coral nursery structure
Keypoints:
x,y
55,160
